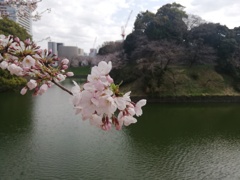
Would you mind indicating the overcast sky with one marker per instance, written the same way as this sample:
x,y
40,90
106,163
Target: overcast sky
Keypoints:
x,y
81,22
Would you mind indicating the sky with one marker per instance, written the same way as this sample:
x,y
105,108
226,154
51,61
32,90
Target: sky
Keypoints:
x,y
89,23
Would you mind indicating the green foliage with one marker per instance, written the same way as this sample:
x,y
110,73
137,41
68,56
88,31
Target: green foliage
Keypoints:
x,y
142,20
161,41
184,81
80,71
110,47
168,23
9,27
125,75
9,82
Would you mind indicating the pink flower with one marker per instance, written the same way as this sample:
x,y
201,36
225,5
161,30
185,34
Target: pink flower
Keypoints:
x,y
69,74
14,69
75,89
126,119
65,61
77,95
27,41
65,66
4,65
28,62
104,68
32,84
109,79
60,78
23,91
138,106
42,89
122,101
96,120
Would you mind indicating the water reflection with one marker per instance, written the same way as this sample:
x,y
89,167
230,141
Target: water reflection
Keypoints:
x,y
188,141
15,112
41,138
15,133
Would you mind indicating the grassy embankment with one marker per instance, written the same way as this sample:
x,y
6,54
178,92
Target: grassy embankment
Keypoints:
x,y
185,81
80,73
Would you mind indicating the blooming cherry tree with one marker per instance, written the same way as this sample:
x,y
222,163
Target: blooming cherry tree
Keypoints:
x,y
24,8
99,100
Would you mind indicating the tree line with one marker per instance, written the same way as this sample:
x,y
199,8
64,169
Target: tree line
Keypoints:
x,y
171,37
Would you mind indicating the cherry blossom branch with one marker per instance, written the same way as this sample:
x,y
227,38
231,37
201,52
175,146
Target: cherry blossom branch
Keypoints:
x,y
62,87
99,100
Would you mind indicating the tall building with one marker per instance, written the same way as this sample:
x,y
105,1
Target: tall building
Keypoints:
x,y
12,13
54,46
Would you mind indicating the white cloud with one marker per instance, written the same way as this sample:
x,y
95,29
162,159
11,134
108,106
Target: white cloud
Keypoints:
x,y
75,22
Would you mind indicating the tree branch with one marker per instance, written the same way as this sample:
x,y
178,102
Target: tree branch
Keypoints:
x,y
62,87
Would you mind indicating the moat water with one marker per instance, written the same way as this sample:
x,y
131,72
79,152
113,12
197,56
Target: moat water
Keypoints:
x,y
42,138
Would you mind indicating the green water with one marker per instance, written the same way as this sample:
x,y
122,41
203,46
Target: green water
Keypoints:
x,y
41,138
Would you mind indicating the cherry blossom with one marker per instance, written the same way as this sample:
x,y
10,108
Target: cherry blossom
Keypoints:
x,y
26,59
32,84
28,62
98,100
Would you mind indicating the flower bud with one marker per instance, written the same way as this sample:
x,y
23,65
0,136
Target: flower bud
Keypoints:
x,y
65,61
70,74
27,41
17,39
39,51
23,91
65,66
42,89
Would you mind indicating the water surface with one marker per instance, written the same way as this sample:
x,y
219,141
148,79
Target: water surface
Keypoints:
x,y
41,138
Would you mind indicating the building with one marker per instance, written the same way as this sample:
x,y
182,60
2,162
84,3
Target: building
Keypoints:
x,y
62,51
12,13
93,52
54,46
69,52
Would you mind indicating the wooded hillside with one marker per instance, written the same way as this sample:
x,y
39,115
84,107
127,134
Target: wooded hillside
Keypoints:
x,y
172,53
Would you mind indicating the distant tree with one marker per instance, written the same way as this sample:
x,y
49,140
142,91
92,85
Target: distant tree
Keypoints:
x,y
153,60
110,47
193,21
209,33
142,21
168,23
199,54
236,34
133,41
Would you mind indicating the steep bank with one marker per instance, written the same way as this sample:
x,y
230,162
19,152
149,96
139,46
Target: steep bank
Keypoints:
x,y
197,84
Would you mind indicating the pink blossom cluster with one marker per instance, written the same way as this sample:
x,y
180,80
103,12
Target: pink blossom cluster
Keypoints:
x,y
26,59
100,101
